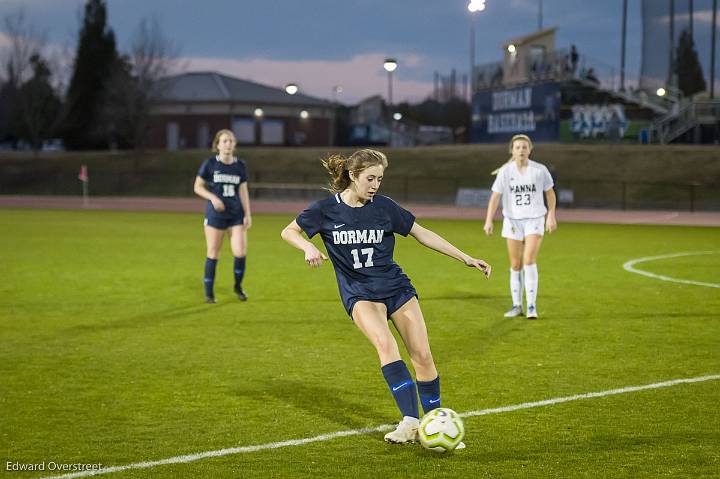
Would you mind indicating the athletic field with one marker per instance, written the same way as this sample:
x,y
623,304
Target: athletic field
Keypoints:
x,y
109,356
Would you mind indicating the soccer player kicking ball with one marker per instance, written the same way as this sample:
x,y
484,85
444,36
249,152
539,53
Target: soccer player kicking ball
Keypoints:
x,y
521,183
357,226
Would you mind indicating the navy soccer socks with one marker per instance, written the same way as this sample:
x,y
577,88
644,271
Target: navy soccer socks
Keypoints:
x,y
209,278
239,270
429,394
402,387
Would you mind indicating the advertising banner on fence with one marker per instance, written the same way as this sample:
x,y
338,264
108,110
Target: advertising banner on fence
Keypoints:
x,y
533,110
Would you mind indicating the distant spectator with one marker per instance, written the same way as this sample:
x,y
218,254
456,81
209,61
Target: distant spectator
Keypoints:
x,y
535,70
613,127
590,76
497,77
547,69
550,110
573,59
566,66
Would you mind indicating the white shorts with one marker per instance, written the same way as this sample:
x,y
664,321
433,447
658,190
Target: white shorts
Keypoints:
x,y
519,229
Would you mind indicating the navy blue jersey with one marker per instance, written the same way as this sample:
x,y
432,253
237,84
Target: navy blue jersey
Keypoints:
x,y
360,242
224,182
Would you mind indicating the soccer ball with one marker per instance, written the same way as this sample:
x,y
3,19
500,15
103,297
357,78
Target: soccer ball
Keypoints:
x,y
441,430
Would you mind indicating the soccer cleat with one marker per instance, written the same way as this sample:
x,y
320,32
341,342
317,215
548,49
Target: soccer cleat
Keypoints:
x,y
405,432
240,293
210,300
532,312
515,311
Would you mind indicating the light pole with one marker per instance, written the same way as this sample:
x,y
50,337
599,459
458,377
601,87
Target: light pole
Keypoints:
x,y
622,45
473,7
336,90
540,15
671,64
390,66
712,50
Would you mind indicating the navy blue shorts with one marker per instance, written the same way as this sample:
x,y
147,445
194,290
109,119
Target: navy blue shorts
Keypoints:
x,y
233,215
223,223
393,303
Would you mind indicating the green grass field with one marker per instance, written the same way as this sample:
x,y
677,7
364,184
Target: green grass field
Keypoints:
x,y
108,354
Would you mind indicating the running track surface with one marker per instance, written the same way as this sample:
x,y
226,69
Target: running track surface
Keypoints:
x,y
291,208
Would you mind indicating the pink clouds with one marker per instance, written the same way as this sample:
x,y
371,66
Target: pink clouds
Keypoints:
x,y
360,76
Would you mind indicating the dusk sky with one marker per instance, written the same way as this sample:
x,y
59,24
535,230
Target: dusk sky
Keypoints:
x,y
321,43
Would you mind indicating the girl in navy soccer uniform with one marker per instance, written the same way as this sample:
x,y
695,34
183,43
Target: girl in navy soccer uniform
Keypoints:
x,y
357,226
222,180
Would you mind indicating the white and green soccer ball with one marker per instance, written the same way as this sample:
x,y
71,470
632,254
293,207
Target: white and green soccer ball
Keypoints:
x,y
441,430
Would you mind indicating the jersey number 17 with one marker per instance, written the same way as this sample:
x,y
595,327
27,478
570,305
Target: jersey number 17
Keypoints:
x,y
368,252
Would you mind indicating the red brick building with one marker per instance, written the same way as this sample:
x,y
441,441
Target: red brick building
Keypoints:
x,y
194,106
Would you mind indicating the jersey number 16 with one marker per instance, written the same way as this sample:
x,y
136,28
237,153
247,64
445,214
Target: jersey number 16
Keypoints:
x,y
228,191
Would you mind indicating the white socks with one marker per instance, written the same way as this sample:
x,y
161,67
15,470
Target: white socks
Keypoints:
x,y
531,284
516,287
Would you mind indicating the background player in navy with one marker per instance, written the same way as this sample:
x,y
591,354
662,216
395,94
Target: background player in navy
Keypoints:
x,y
357,226
222,180
520,183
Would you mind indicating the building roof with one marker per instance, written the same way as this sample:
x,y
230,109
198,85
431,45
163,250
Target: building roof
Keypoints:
x,y
216,87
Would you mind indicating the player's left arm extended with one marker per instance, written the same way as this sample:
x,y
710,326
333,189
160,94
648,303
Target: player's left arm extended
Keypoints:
x,y
550,221
245,200
434,241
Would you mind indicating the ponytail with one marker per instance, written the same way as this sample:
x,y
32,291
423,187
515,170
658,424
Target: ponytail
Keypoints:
x,y
339,175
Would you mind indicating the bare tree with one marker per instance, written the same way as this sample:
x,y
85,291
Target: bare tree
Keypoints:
x,y
24,43
153,55
28,104
137,82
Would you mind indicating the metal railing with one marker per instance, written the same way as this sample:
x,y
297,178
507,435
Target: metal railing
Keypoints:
x,y
685,116
587,193
557,65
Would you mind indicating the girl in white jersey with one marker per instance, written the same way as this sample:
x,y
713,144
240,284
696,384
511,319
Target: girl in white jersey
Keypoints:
x,y
521,183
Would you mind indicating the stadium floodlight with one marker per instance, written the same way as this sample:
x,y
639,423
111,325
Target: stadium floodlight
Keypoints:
x,y
304,114
336,90
473,7
660,92
511,49
291,88
397,116
259,112
390,65
476,6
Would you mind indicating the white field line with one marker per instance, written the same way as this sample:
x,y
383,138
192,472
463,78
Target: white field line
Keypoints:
x,y
384,427
629,266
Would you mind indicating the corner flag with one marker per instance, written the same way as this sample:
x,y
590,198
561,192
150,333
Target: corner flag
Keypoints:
x,y
83,176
